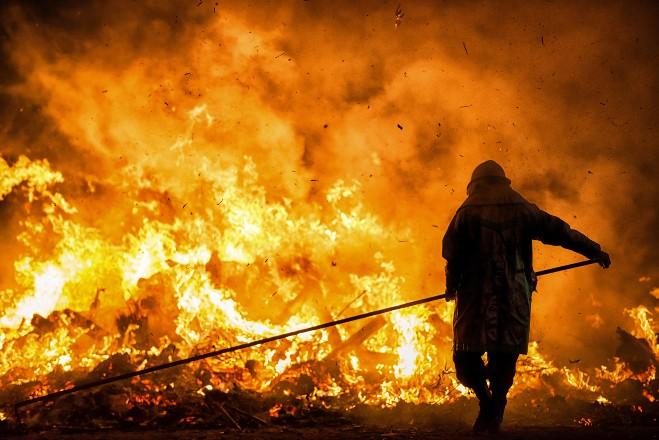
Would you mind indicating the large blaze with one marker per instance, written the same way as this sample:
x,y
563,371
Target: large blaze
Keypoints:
x,y
194,177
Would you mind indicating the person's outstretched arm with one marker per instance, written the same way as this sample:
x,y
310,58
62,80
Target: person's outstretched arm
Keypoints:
x,y
551,230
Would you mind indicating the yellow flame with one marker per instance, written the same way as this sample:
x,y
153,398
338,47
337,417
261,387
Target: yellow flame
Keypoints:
x,y
645,326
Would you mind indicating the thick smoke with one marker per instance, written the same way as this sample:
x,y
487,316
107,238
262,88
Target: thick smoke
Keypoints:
x,y
563,96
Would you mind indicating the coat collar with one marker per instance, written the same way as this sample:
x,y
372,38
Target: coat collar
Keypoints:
x,y
497,194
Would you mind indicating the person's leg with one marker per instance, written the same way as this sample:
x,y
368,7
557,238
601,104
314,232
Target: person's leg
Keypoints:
x,y
501,372
470,371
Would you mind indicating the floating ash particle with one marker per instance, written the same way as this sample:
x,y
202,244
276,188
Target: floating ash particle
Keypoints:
x,y
398,16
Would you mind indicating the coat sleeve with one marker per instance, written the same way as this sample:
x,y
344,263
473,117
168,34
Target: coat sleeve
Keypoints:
x,y
552,230
451,251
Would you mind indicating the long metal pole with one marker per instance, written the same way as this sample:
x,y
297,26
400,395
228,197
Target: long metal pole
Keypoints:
x,y
198,357
566,267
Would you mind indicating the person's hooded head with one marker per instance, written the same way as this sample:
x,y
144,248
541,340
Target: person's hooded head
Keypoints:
x,y
488,173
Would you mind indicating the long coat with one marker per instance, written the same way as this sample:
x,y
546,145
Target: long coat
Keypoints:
x,y
489,264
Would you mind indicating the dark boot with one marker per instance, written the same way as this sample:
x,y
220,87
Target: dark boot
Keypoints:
x,y
501,369
498,409
486,411
485,416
